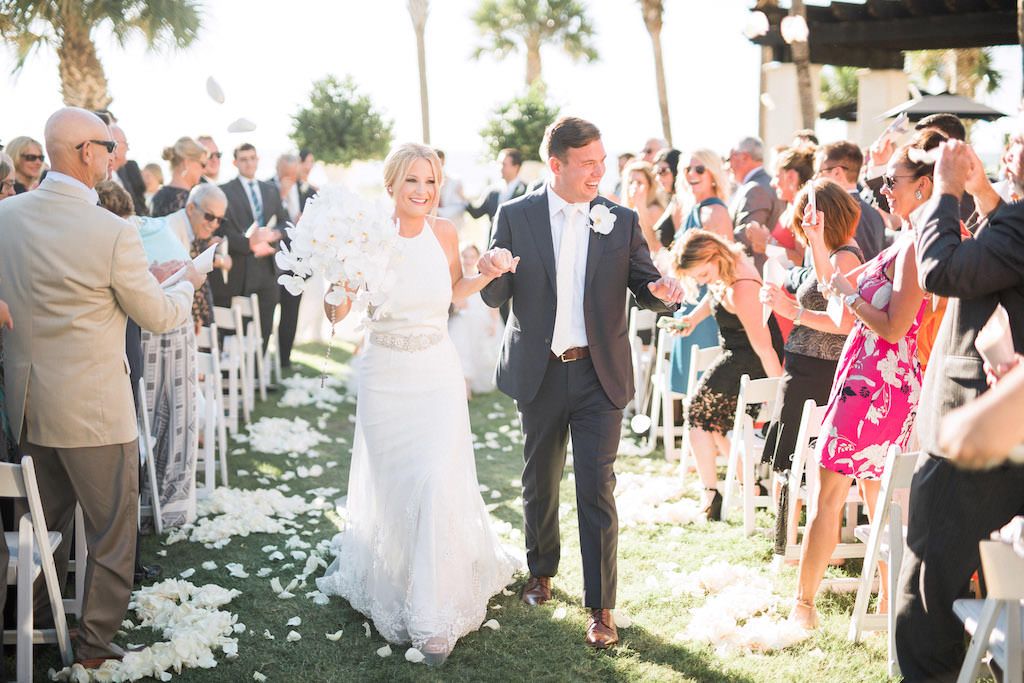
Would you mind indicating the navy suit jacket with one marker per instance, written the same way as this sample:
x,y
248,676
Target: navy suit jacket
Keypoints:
x,y
616,262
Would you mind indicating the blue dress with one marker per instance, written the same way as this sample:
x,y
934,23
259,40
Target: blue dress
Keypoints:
x,y
705,335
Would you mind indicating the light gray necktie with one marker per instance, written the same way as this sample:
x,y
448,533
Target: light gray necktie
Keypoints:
x,y
564,282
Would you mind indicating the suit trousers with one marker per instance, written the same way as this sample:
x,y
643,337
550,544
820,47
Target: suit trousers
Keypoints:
x,y
951,510
104,480
268,294
287,325
572,403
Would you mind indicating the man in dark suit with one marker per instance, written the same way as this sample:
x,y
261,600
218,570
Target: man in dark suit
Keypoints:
x,y
755,199
126,173
952,509
841,162
565,358
286,180
510,161
251,203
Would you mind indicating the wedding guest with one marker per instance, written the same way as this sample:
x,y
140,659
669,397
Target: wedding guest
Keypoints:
x,y
952,509
510,161
8,446
877,385
841,161
153,177
73,414
748,346
814,345
188,161
666,170
703,184
805,137
981,433
212,169
205,211
475,329
755,200
28,158
453,202
287,182
125,172
7,177
306,163
623,159
169,372
641,196
793,167
651,149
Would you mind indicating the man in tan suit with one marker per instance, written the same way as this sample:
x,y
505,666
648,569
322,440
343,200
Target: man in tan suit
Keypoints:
x,y
71,272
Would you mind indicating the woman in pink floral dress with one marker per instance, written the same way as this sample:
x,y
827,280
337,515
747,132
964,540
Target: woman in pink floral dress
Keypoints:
x,y
878,380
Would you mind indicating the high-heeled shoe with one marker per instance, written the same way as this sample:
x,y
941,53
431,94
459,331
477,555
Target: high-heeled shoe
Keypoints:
x,y
713,510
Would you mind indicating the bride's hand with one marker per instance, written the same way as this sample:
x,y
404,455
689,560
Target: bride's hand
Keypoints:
x,y
496,262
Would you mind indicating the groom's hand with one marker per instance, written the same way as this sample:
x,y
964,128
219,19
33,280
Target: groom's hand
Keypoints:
x,y
496,262
668,290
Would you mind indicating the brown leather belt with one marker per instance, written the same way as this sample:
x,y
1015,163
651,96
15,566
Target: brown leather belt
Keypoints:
x,y
575,353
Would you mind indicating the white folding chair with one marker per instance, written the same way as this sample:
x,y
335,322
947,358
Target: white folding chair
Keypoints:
x,y
248,307
642,357
995,622
700,360
662,397
76,566
31,550
272,357
885,543
745,452
147,460
805,495
206,340
208,367
232,361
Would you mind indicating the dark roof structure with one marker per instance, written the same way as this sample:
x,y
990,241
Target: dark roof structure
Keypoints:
x,y
875,33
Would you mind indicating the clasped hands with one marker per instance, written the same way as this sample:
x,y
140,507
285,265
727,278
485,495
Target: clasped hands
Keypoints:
x,y
259,241
496,262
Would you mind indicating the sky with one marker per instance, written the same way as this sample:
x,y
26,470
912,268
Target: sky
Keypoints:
x,y
266,60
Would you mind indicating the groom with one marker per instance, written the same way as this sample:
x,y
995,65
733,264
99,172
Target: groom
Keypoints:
x,y
565,357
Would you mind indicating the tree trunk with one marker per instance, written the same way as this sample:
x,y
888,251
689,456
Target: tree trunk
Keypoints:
x,y
1020,33
421,54
82,81
802,60
652,19
532,59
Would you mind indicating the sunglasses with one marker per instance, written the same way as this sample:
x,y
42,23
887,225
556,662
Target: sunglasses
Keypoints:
x,y
662,171
216,155
699,169
210,218
890,180
110,145
33,157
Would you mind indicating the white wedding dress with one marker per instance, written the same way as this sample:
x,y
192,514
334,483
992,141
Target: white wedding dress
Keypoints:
x,y
418,555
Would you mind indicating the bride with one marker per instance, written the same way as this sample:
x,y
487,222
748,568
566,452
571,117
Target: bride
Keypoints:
x,y
418,555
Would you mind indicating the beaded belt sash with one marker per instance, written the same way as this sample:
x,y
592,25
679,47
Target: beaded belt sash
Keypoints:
x,y
406,342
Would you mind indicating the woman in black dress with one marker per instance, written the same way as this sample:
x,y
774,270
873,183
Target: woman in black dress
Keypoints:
x,y
188,161
749,347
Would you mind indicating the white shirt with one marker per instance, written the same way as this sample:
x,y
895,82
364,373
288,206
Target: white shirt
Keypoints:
x,y
556,206
291,202
247,183
74,182
505,193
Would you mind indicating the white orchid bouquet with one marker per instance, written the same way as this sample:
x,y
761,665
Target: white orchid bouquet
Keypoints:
x,y
347,239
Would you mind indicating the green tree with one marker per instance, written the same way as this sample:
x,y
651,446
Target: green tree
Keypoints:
x,y
520,124
340,124
963,70
511,25
839,85
653,10
67,26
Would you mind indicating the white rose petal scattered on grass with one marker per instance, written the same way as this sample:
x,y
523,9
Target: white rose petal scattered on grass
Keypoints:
x,y
209,565
492,624
257,676
267,634
334,636
414,656
506,592
187,573
161,553
559,613
236,570
264,571
294,621
623,620
293,636
384,651
366,629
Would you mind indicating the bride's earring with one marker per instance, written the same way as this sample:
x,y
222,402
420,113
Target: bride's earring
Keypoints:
x,y
917,195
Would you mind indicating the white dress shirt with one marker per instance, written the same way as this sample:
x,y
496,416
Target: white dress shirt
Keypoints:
x,y
556,206
68,180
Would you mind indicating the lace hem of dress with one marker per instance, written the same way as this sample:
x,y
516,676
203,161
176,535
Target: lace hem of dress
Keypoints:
x,y
406,342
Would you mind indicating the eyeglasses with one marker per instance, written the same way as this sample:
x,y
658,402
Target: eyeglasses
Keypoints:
x,y
699,169
6,186
210,218
890,180
110,145
33,157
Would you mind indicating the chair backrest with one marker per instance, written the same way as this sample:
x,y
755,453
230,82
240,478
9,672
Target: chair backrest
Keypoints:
x,y
700,360
810,422
247,307
12,484
206,338
899,468
1003,570
224,318
764,390
204,363
243,304
641,319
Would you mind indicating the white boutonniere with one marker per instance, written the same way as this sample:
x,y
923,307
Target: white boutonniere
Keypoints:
x,y
602,220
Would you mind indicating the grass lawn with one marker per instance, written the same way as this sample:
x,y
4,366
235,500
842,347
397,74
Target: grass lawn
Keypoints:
x,y
532,643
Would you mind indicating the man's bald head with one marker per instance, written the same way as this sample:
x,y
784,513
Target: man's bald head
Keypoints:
x,y
121,153
70,128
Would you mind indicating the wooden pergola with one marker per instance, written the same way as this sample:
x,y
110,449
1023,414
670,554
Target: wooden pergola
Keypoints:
x,y
875,33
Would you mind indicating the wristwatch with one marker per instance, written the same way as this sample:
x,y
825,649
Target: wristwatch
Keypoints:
x,y
851,299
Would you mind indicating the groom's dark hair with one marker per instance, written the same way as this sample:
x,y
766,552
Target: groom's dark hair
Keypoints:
x,y
565,133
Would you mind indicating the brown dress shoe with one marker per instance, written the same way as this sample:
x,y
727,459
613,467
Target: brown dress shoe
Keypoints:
x,y
537,590
601,630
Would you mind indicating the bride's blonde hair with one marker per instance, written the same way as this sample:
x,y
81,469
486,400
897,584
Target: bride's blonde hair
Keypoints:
x,y
401,159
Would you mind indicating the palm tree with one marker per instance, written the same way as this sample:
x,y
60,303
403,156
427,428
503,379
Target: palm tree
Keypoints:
x,y
510,25
67,26
653,11
802,60
963,70
839,85
418,10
